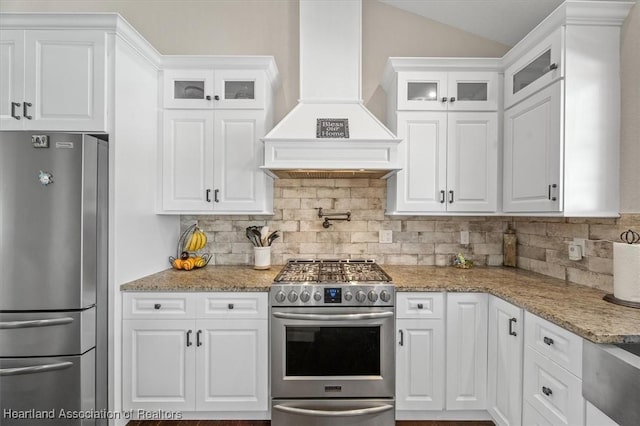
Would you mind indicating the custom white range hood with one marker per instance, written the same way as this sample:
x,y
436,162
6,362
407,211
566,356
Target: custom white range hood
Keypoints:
x,y
330,133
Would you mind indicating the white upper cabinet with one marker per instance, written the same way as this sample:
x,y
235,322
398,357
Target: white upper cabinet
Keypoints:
x,y
210,162
562,114
214,117
532,156
447,91
53,80
207,89
445,112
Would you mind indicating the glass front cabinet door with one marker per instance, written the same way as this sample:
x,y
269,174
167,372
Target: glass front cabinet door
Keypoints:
x,y
207,89
448,91
536,69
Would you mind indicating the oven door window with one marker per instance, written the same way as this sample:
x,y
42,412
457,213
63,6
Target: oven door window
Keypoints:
x,y
332,351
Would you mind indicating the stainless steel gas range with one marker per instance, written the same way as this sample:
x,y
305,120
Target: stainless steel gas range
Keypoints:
x,y
332,344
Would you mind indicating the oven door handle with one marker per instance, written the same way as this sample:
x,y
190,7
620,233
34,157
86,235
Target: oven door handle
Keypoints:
x,y
35,369
337,317
332,413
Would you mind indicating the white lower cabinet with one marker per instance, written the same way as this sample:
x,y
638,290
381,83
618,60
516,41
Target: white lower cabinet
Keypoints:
x,y
467,315
505,341
197,359
158,365
419,354
552,384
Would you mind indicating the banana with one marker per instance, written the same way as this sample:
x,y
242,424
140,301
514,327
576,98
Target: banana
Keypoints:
x,y
203,240
190,243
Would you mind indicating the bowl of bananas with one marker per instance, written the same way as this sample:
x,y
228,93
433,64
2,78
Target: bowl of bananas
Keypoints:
x,y
192,240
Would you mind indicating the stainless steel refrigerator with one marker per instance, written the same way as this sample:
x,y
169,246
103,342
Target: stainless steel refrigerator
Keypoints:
x,y
53,278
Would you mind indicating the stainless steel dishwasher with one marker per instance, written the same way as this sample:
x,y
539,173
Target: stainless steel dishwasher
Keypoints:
x,y
611,380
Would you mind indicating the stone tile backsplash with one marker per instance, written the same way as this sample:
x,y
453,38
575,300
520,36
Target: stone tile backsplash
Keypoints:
x,y
417,240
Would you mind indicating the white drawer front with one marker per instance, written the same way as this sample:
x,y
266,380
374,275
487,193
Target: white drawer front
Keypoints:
x,y
232,305
419,305
530,417
560,345
551,390
158,305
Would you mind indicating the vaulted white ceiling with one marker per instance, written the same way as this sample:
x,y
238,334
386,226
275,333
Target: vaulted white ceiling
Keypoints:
x,y
504,21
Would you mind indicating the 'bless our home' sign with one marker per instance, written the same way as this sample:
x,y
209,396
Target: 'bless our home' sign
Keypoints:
x,y
332,128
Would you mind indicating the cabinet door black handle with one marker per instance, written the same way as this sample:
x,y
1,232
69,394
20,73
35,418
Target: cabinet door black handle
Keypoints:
x,y
452,99
546,391
230,306
216,97
189,343
444,99
157,306
208,97
553,66
401,338
442,197
548,340
198,342
25,113
15,105
420,306
215,195
208,195
450,197
554,186
511,322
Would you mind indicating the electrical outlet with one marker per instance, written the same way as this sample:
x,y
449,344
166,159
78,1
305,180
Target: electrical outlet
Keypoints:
x,y
464,237
385,236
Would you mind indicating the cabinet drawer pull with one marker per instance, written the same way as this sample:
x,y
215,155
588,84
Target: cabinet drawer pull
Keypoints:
x,y
25,113
548,340
230,306
208,195
546,391
15,105
157,306
401,338
420,305
511,322
189,343
442,197
198,342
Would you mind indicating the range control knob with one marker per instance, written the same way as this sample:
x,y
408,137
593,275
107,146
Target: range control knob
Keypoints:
x,y
385,296
373,296
305,296
293,296
360,296
280,296
317,296
348,296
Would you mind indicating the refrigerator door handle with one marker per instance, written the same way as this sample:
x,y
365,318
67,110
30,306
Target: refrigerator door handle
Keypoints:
x,y
35,323
35,369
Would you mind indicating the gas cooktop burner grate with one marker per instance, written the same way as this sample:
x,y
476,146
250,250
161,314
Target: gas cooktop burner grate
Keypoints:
x,y
331,271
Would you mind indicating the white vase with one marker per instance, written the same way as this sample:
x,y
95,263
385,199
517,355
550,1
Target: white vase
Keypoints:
x,y
262,257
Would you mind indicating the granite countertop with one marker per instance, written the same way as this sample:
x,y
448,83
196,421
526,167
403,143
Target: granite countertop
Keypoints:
x,y
574,307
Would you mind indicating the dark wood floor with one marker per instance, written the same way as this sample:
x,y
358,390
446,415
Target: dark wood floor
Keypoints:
x,y
267,423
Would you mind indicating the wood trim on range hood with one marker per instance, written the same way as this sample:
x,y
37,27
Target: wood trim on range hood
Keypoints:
x,y
330,88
